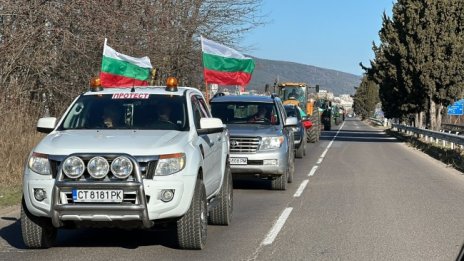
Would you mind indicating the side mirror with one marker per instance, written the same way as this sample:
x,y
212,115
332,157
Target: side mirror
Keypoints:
x,y
46,125
210,125
307,124
291,122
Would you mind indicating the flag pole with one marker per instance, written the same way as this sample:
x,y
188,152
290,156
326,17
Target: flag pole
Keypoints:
x,y
206,92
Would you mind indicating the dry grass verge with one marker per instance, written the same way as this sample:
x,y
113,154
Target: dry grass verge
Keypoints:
x,y
17,138
445,155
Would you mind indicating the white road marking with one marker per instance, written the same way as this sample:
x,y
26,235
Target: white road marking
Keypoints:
x,y
330,144
313,170
325,152
319,161
300,189
277,227
280,222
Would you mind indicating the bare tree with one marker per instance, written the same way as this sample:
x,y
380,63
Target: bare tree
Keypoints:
x,y
55,47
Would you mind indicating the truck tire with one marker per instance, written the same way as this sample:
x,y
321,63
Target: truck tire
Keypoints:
x,y
192,227
301,151
37,232
222,213
291,170
280,183
312,137
314,132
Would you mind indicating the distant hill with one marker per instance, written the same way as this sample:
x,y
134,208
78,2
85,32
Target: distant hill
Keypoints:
x,y
266,71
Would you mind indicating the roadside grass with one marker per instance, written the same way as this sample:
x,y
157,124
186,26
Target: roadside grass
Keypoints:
x,y
10,195
17,138
452,157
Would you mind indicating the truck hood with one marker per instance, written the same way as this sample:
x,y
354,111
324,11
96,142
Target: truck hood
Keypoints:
x,y
254,130
133,142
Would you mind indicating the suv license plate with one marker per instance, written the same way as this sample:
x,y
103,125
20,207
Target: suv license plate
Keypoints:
x,y
95,195
238,161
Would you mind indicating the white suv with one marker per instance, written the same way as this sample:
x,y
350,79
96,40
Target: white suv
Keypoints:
x,y
131,157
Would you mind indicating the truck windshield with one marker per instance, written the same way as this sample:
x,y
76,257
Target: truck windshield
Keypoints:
x,y
297,93
245,113
127,111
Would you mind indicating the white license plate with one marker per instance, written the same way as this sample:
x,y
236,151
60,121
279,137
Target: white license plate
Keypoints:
x,y
97,195
238,161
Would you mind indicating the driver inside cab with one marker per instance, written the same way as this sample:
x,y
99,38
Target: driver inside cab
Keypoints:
x,y
262,115
111,118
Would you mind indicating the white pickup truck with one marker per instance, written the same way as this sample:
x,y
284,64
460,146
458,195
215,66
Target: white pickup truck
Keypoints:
x,y
131,157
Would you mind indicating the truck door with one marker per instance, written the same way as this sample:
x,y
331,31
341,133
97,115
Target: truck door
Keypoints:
x,y
209,144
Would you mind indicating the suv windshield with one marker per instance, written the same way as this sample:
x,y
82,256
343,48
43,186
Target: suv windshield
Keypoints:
x,y
117,111
245,113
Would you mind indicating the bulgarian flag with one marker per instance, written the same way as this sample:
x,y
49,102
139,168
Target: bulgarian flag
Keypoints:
x,y
224,65
120,70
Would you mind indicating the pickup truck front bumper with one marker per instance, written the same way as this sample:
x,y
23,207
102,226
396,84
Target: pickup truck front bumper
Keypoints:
x,y
142,198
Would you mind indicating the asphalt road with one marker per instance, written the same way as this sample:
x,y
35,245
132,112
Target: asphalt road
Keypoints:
x,y
357,195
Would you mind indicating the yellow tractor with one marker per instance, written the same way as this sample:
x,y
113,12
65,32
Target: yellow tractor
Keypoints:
x,y
298,94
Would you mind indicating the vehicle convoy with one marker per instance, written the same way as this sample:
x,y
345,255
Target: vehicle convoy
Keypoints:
x,y
261,137
131,158
298,94
300,130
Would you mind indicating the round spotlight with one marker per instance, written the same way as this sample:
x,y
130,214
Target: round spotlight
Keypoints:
x,y
73,167
121,167
98,167
40,194
167,195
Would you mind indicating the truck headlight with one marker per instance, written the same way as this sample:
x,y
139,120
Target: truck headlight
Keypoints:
x,y
169,164
269,143
39,163
121,167
73,167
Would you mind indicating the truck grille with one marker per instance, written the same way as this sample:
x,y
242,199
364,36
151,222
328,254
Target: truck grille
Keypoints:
x,y
147,167
244,144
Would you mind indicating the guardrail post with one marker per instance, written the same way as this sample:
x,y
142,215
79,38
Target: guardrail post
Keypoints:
x,y
444,143
452,145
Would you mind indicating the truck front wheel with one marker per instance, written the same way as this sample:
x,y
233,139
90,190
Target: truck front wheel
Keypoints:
x,y
192,227
37,232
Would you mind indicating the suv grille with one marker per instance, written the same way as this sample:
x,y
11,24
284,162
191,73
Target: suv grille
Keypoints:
x,y
244,144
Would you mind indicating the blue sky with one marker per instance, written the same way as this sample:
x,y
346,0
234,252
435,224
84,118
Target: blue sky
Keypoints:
x,y
333,34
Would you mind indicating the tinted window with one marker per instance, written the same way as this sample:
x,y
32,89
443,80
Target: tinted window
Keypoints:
x,y
292,111
246,112
142,111
199,110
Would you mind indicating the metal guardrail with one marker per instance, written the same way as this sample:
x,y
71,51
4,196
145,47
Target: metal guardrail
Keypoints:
x,y
452,127
432,136
376,121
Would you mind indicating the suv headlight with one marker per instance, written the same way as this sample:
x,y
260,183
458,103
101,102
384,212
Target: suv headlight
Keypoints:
x,y
169,164
269,143
39,163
